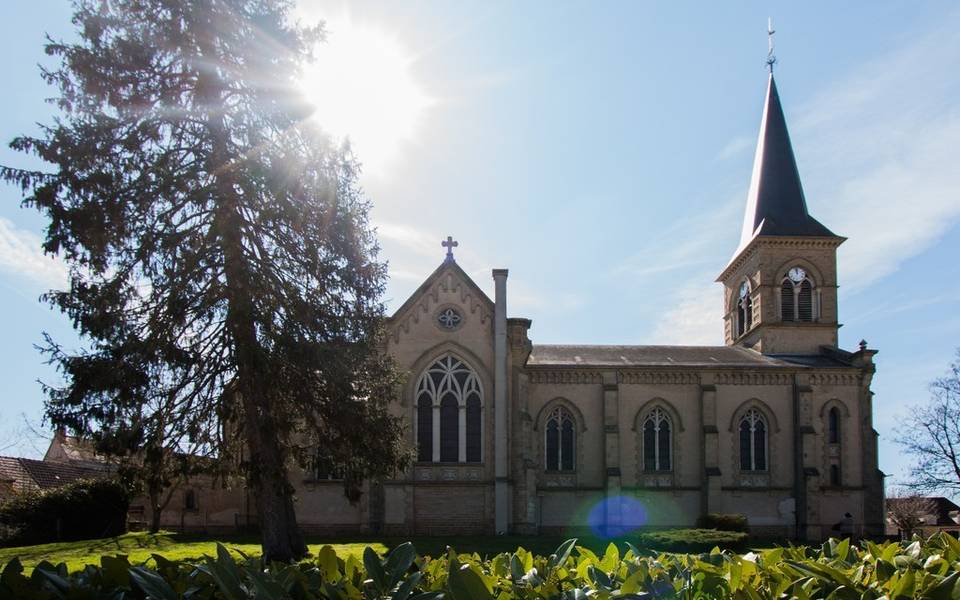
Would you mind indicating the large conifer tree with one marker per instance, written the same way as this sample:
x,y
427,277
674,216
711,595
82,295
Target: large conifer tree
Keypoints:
x,y
216,241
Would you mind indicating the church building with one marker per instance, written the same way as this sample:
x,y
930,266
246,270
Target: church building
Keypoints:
x,y
776,424
512,436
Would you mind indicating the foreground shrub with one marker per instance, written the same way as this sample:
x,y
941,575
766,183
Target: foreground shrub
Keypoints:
x,y
835,570
723,522
693,540
80,510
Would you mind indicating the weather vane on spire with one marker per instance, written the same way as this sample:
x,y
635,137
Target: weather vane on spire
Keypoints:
x,y
771,57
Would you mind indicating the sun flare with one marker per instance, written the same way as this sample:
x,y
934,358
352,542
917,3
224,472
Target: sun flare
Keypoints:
x,y
362,88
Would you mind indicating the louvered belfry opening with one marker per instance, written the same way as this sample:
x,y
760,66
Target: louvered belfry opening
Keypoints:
x,y
796,301
805,301
787,312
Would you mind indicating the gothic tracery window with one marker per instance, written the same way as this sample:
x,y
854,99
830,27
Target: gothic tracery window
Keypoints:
x,y
744,309
449,393
796,296
559,441
753,441
657,441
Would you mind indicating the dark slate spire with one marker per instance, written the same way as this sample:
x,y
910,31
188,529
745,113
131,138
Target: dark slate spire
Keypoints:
x,y
775,204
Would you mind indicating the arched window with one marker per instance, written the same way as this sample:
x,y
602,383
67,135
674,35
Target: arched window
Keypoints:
x,y
744,309
474,425
449,393
753,441
796,296
424,427
559,441
833,425
449,429
657,441
835,475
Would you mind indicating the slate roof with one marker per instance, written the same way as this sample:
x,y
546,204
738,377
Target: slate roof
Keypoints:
x,y
10,470
668,356
776,205
28,472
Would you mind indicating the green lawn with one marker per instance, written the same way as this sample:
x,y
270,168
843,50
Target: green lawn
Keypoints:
x,y
139,546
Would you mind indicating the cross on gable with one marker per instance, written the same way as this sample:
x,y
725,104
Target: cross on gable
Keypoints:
x,y
449,244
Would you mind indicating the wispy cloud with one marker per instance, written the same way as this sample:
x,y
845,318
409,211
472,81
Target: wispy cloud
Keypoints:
x,y
736,146
878,155
694,316
21,254
687,242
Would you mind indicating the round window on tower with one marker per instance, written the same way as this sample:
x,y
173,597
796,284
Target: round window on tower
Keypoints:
x,y
449,318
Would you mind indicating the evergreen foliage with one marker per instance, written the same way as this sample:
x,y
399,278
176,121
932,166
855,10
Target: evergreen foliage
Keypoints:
x,y
223,271
76,511
836,570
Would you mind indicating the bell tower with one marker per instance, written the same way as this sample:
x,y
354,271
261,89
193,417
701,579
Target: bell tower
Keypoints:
x,y
780,287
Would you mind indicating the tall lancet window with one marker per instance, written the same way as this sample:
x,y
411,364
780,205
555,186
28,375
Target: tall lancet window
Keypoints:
x,y
744,309
833,425
449,413
796,296
559,441
753,441
657,441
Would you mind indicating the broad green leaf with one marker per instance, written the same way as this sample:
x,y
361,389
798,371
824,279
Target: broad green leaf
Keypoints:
x,y
399,561
371,562
152,584
464,584
329,564
610,558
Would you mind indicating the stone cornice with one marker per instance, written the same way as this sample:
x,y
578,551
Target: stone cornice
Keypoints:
x,y
692,376
568,375
764,241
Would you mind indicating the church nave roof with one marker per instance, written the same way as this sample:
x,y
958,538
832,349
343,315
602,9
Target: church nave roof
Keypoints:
x,y
666,356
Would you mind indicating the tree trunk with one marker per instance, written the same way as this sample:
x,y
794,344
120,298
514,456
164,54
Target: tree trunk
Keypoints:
x,y
155,512
156,507
280,537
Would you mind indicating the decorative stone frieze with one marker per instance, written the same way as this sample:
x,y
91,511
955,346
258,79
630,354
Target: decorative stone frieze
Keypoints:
x,y
658,377
753,378
834,379
447,473
573,376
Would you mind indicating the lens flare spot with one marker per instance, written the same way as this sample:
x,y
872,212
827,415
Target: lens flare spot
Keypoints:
x,y
617,516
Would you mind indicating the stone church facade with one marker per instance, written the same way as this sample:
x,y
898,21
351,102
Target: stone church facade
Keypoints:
x,y
514,436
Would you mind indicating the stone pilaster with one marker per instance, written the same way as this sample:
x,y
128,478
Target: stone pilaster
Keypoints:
x,y
710,446
502,481
611,453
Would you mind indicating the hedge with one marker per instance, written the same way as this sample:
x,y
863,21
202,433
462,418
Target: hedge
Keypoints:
x,y
79,510
723,522
693,540
836,570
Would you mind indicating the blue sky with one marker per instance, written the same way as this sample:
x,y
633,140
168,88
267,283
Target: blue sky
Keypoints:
x,y
602,152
